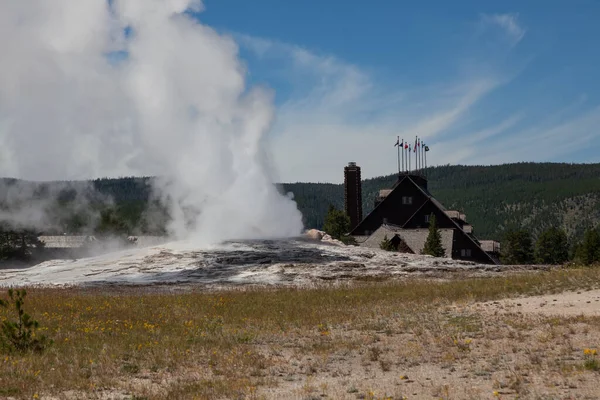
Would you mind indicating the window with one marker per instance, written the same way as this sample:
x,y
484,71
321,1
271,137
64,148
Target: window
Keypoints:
x,y
407,200
427,219
465,253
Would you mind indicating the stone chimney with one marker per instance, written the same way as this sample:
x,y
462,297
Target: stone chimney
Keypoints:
x,y
353,194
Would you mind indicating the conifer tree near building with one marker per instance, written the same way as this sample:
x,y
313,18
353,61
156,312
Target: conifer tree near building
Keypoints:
x,y
552,247
433,244
337,224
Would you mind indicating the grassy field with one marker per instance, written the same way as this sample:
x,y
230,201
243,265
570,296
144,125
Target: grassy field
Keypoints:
x,y
392,340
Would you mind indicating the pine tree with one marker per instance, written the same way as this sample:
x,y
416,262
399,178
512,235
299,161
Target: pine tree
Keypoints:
x,y
552,247
387,244
517,248
588,251
433,245
337,223
19,244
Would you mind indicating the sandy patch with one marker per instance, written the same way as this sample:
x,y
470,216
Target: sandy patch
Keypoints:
x,y
565,304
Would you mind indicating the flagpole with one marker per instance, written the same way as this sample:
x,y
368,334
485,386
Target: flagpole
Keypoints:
x,y
416,158
421,149
401,145
398,143
419,154
404,158
422,156
426,172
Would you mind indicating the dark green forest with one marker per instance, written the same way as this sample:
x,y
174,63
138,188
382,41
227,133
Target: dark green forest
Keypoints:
x,y
530,196
495,199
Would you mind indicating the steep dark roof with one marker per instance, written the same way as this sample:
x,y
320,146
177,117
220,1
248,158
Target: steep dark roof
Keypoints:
x,y
358,227
456,225
435,203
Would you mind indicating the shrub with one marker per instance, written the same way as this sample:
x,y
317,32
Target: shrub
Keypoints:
x,y
20,335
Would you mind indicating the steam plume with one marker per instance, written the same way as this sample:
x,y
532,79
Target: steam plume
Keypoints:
x,y
128,87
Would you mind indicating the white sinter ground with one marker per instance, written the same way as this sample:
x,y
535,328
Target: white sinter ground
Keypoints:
x,y
291,262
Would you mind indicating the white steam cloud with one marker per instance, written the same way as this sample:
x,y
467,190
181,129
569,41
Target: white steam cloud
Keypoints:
x,y
96,88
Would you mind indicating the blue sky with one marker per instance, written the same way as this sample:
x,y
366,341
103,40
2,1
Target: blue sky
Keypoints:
x,y
481,82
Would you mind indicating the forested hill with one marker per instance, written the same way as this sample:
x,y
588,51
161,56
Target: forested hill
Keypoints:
x,y
528,195
533,196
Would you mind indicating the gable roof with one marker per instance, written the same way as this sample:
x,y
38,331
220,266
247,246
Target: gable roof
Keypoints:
x,y
435,203
385,200
414,238
456,225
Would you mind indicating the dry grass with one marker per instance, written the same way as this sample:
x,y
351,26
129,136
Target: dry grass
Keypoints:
x,y
375,340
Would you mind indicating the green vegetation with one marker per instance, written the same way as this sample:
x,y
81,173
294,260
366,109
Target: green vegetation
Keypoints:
x,y
387,245
552,247
433,244
337,225
588,251
20,335
21,244
228,344
517,248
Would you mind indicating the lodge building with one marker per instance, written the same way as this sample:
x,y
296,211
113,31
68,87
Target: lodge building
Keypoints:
x,y
402,215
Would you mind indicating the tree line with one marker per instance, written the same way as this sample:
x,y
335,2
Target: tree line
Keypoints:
x,y
497,200
552,247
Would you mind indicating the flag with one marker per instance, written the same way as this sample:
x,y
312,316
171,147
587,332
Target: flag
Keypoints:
x,y
397,142
405,145
415,148
426,148
419,144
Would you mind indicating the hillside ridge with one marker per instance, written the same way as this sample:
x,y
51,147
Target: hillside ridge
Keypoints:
x,y
526,195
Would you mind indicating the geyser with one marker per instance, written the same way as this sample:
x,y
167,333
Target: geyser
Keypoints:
x,y
140,87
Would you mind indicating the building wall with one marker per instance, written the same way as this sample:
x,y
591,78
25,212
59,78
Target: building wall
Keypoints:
x,y
463,242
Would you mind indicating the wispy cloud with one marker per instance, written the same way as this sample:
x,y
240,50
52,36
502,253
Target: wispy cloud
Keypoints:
x,y
343,113
507,22
338,112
